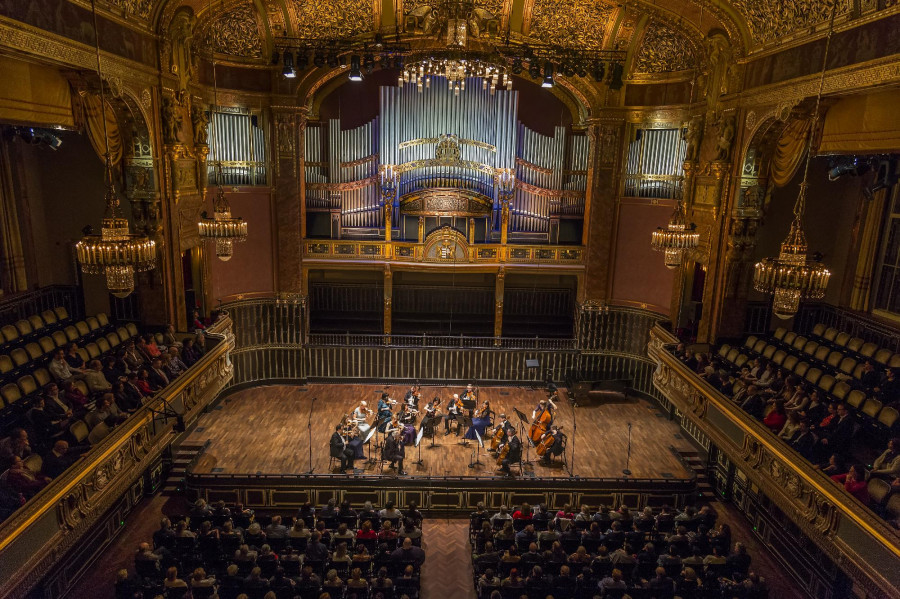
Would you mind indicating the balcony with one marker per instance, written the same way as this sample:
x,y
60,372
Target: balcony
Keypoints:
x,y
851,535
70,518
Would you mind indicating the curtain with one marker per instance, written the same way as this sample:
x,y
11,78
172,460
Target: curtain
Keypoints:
x,y
94,124
32,94
12,257
868,248
863,124
789,151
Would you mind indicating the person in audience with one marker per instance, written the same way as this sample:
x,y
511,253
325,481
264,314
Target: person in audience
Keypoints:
x,y
157,377
513,581
122,398
189,352
776,419
839,433
408,553
108,412
381,583
172,581
308,579
870,379
58,460
176,365
276,530
854,482
244,555
143,382
316,550
387,532
135,388
890,388
815,410
488,580
95,379
887,465
22,480
169,338
113,370
73,358
76,398
255,584
200,580
503,514
132,356
739,560
196,322
613,581
59,368
332,583
55,403
46,426
755,403
16,444
660,583
804,441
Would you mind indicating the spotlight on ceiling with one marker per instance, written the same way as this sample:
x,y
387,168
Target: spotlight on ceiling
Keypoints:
x,y
534,70
599,71
288,70
517,66
548,74
319,60
369,63
355,73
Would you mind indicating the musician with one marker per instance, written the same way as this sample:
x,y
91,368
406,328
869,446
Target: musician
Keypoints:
x,y
407,419
454,412
500,433
432,414
481,421
469,393
360,413
394,451
541,419
340,450
384,411
513,454
412,397
352,437
554,447
544,404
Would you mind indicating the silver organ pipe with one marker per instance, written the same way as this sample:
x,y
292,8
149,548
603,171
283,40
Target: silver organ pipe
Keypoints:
x,y
654,165
315,171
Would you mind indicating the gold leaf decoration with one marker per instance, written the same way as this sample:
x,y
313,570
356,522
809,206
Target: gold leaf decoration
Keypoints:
x,y
570,23
234,32
664,49
139,8
770,20
324,19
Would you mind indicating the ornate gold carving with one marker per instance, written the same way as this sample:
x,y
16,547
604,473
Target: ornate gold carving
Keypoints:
x,y
325,19
664,49
769,20
359,161
138,8
570,22
550,193
284,130
433,140
234,32
171,121
449,201
446,245
725,139
182,60
608,139
348,186
538,169
200,123
429,17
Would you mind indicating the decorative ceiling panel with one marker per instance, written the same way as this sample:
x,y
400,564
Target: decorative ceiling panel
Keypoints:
x,y
138,8
324,19
769,20
664,50
571,22
234,32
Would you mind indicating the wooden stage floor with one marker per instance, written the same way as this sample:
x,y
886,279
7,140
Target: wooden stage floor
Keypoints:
x,y
263,430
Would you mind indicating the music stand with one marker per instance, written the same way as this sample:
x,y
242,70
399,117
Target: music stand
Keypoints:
x,y
371,434
525,424
477,451
469,405
421,434
534,366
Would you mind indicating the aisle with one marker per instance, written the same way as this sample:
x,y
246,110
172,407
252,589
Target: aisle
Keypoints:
x,y
448,559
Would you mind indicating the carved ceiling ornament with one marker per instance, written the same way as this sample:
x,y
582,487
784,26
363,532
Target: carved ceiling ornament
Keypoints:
x,y
571,23
234,32
664,50
768,20
323,19
137,8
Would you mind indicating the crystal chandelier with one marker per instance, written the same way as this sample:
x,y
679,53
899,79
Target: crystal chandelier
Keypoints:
x,y
456,68
792,275
224,229
116,252
675,238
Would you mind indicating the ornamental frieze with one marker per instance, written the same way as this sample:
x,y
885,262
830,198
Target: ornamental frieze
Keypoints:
x,y
327,19
571,23
664,50
769,20
234,32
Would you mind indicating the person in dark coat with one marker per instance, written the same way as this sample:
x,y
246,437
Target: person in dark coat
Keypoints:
x,y
340,450
394,451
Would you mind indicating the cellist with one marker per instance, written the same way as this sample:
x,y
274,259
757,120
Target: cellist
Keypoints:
x,y
500,433
542,418
550,445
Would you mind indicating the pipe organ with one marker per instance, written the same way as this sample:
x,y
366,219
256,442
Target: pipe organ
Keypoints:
x,y
448,159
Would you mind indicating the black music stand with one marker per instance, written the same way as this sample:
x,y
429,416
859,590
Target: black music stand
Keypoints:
x,y
468,420
368,438
477,451
534,366
419,461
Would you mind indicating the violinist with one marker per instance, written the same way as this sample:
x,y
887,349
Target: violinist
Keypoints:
x,y
359,416
412,397
500,433
469,393
510,452
481,421
352,437
551,444
454,412
542,418
406,419
432,415
339,449
384,411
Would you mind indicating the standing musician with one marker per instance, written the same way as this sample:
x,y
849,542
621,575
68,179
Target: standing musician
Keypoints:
x,y
454,412
481,421
384,411
541,419
551,444
500,433
394,451
359,416
510,452
469,392
340,450
432,414
412,396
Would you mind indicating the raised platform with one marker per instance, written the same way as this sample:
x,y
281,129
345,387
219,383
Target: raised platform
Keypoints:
x,y
257,451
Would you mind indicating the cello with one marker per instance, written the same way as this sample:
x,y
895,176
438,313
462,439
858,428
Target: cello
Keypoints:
x,y
541,424
497,437
548,441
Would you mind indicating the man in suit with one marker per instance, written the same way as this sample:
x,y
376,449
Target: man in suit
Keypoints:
x,y
158,378
340,450
804,441
838,438
56,462
514,454
454,412
394,451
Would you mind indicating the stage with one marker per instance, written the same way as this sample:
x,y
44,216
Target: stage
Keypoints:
x,y
263,431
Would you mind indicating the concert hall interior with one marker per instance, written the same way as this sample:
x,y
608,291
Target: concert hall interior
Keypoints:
x,y
449,298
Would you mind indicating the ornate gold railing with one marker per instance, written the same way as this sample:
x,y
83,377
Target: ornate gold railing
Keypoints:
x,y
51,524
854,537
482,253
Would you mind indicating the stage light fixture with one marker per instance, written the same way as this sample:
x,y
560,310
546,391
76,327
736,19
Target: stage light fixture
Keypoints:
x,y
319,60
355,73
548,75
534,70
599,71
288,70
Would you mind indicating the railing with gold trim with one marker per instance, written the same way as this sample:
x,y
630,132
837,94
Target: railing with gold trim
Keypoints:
x,y
855,538
397,251
41,534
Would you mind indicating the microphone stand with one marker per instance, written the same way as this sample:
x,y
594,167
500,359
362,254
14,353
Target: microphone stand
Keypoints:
x,y
574,435
309,433
627,472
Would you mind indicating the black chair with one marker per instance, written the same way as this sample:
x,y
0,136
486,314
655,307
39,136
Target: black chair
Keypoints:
x,y
184,545
203,592
486,591
350,521
177,592
291,568
511,592
407,586
614,593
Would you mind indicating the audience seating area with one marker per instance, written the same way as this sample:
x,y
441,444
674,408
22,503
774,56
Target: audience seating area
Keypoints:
x,y
230,552
608,554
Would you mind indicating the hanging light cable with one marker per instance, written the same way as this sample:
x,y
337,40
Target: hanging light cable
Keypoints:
x,y
792,275
676,237
224,229
116,252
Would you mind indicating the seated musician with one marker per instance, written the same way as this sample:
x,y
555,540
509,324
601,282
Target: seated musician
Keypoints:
x,y
394,451
469,393
481,421
360,414
454,412
407,419
432,414
544,404
542,418
352,437
511,452
412,397
340,450
550,447
500,433
384,411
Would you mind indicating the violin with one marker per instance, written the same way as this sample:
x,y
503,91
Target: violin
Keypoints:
x,y
546,442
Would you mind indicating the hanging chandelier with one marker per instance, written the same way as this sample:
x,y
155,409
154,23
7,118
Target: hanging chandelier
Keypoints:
x,y
793,275
116,252
675,238
456,68
225,230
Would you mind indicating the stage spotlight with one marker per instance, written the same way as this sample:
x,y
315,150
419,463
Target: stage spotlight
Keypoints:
x,y
534,70
599,72
355,73
302,61
548,74
369,63
517,66
615,76
319,60
288,70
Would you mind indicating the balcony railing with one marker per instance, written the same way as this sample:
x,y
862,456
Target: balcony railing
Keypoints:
x,y
446,341
54,522
864,545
